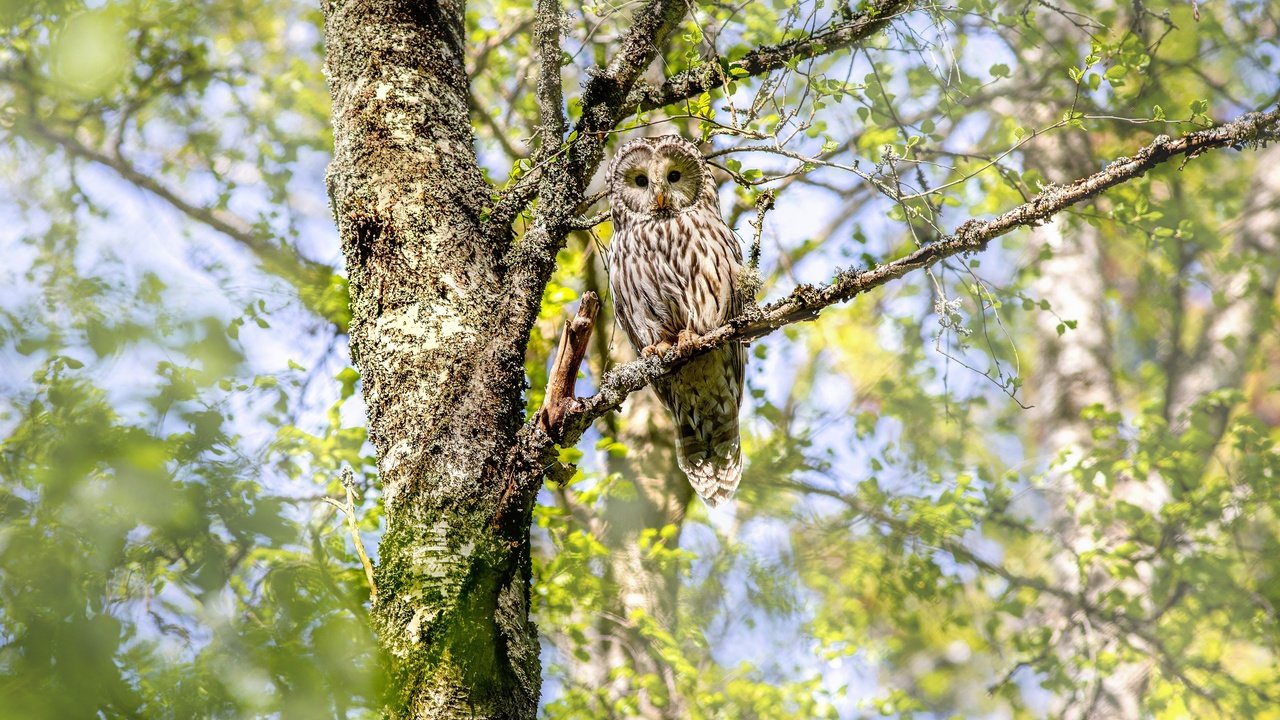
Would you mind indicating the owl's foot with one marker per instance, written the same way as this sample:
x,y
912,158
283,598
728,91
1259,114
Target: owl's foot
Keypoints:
x,y
658,348
685,340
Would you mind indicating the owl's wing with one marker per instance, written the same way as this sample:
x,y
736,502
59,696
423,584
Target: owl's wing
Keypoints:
x,y
713,260
705,395
642,290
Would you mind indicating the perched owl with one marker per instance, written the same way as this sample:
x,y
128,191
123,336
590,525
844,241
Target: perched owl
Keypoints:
x,y
672,271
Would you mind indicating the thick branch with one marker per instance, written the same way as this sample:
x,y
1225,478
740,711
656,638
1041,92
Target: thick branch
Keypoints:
x,y
805,302
550,101
709,76
312,279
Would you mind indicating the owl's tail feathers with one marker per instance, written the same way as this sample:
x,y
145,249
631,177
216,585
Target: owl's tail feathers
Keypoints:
x,y
714,468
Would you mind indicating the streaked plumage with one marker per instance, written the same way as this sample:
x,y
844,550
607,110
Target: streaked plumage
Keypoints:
x,y
673,266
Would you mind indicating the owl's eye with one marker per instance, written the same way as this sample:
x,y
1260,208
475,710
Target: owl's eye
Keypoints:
x,y
641,181
673,176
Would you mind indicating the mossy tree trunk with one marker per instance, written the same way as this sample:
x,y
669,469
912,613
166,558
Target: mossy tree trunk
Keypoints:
x,y
443,299
442,366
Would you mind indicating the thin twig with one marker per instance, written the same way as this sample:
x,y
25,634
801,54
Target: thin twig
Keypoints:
x,y
349,509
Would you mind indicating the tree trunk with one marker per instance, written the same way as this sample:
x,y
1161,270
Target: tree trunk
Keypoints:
x,y
1239,320
1076,373
442,366
442,303
644,585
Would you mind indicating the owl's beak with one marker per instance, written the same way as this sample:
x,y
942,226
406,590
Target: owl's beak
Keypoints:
x,y
660,201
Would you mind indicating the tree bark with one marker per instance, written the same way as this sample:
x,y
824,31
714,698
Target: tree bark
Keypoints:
x,y
442,369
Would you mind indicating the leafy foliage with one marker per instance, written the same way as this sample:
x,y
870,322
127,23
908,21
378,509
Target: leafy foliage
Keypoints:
x,y
911,538
149,568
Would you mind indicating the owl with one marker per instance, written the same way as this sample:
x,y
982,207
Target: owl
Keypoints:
x,y
672,270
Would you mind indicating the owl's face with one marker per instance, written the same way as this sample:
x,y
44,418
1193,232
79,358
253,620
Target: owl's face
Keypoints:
x,y
657,177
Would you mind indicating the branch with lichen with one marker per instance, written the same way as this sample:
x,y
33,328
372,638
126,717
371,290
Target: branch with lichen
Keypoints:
x,y
603,103
551,118
612,92
709,76
807,301
563,176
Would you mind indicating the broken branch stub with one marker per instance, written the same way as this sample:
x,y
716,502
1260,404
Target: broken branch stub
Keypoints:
x,y
560,397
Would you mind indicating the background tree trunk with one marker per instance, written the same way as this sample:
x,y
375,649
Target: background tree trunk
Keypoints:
x,y
1077,370
627,525
637,585
1229,340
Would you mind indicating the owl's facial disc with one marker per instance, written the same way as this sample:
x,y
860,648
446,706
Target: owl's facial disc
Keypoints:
x,y
657,182
673,180
631,183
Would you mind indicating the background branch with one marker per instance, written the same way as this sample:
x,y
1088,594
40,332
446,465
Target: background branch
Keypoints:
x,y
312,279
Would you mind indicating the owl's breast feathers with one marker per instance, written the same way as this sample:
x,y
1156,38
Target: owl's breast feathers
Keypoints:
x,y
674,273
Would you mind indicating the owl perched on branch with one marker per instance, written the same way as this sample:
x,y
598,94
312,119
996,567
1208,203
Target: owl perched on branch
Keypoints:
x,y
674,261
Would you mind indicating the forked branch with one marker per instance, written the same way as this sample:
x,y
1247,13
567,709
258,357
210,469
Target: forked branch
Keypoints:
x,y
603,106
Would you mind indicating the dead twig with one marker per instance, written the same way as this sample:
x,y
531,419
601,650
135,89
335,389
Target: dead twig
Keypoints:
x,y
560,398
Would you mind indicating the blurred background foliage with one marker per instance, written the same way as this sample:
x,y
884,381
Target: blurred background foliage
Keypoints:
x,y
1027,483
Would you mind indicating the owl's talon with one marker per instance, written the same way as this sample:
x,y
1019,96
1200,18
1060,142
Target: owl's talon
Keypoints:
x,y
684,342
658,348
686,336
